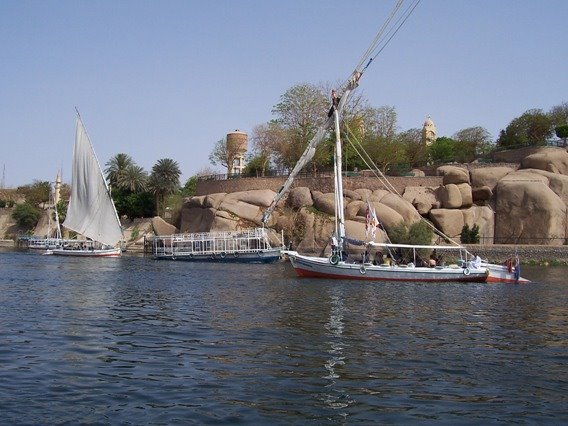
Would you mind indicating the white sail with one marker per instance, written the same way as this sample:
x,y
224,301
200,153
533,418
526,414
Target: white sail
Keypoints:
x,y
91,211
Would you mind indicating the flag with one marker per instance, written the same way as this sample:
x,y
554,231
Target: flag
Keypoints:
x,y
371,221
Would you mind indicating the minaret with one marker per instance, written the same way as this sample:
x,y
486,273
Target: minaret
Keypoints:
x,y
57,194
428,132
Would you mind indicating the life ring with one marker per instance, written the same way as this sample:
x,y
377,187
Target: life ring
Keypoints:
x,y
260,253
363,270
223,254
334,259
173,257
190,255
236,254
466,271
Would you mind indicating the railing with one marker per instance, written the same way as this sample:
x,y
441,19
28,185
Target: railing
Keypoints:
x,y
211,243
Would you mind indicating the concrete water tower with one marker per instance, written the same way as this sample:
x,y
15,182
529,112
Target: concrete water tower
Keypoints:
x,y
237,142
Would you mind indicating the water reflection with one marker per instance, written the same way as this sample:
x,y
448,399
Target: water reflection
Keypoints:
x,y
336,397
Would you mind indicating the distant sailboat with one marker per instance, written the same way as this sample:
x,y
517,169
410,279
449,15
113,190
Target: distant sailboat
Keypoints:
x,y
91,211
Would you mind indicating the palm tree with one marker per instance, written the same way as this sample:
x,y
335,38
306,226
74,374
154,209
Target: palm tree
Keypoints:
x,y
116,166
133,179
164,180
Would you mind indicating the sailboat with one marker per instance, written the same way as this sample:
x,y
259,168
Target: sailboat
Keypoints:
x,y
53,237
464,268
91,211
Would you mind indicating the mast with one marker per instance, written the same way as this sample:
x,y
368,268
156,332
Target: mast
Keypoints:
x,y
339,203
308,154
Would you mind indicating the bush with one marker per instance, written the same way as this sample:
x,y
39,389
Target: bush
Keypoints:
x,y
418,233
26,215
470,236
2,204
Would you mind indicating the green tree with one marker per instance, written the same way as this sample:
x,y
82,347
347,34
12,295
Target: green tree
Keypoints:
x,y
558,114
116,167
443,150
189,189
532,128
164,180
562,132
299,113
132,179
471,143
36,193
256,166
26,215
416,151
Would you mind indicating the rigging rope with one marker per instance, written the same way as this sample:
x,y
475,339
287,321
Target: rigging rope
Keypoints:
x,y
380,175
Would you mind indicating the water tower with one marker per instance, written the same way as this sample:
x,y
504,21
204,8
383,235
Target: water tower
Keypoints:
x,y
236,149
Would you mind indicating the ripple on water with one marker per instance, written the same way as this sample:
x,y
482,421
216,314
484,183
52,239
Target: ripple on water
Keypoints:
x,y
132,340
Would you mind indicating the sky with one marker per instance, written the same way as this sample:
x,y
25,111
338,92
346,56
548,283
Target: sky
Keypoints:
x,y
168,79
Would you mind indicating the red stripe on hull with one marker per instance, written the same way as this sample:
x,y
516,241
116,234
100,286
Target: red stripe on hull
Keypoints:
x,y
312,274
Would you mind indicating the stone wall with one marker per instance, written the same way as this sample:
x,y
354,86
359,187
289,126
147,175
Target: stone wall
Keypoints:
x,y
322,184
527,253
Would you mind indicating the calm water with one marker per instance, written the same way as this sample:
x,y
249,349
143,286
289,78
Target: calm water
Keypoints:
x,y
138,341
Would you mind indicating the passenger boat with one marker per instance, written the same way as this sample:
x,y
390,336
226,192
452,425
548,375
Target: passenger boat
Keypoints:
x,y
244,246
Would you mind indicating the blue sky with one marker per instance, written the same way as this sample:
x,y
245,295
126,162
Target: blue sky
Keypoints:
x,y
170,78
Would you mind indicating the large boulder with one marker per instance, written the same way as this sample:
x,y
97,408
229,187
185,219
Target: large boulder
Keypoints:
x,y
488,176
241,209
466,195
324,202
194,219
451,197
299,197
224,221
161,227
452,221
212,201
423,198
258,197
453,174
353,210
529,212
554,160
558,183
401,206
449,221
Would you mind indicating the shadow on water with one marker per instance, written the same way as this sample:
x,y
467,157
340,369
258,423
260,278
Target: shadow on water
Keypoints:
x,y
133,340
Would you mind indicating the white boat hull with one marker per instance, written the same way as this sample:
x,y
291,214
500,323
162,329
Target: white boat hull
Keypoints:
x,y
503,274
318,267
111,252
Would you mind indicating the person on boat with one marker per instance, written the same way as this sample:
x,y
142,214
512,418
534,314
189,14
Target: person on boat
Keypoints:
x,y
476,262
378,260
433,260
334,102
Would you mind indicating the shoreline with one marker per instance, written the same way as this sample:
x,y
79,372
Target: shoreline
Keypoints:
x,y
495,253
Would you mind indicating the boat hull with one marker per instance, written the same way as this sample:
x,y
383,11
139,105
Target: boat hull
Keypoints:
x,y
113,252
317,267
502,274
260,256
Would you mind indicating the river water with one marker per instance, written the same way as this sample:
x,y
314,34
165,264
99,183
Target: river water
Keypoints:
x,y
138,341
